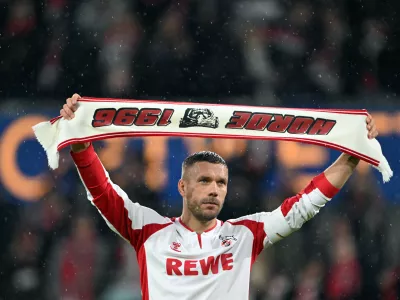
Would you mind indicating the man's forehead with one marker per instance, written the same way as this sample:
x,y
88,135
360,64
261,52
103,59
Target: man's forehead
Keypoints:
x,y
206,168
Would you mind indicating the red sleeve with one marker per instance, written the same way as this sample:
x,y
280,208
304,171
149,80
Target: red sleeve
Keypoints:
x,y
132,221
270,227
101,192
326,188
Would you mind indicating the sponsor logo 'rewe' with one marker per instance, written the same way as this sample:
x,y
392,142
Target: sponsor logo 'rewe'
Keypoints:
x,y
194,267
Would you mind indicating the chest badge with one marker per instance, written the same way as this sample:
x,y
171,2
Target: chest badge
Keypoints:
x,y
227,240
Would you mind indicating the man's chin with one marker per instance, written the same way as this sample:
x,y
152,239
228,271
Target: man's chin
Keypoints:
x,y
208,215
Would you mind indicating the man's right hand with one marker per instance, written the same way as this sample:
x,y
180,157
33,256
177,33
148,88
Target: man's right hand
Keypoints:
x,y
68,113
70,107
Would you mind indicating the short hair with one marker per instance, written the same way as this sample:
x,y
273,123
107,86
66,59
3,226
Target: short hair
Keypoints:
x,y
203,156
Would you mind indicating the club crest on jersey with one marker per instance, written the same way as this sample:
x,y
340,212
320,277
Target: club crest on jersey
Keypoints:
x,y
175,246
226,241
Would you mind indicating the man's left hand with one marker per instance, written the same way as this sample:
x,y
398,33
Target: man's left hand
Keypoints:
x,y
372,131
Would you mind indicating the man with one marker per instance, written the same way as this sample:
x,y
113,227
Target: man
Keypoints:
x,y
197,256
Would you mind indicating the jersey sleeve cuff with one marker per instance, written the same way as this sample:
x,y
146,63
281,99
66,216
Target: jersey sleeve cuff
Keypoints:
x,y
84,158
326,188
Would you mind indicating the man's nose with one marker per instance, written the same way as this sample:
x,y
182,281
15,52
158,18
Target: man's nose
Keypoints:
x,y
213,189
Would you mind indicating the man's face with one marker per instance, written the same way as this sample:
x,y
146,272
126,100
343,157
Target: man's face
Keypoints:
x,y
203,188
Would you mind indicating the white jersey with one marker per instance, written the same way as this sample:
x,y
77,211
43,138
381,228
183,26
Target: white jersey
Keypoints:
x,y
177,263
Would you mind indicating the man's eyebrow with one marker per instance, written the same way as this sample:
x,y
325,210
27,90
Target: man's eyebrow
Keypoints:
x,y
224,180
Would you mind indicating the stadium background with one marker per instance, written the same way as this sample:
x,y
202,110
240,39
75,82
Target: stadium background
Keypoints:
x,y
306,53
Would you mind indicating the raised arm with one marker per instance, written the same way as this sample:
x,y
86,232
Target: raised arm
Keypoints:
x,y
299,209
133,222
340,171
270,227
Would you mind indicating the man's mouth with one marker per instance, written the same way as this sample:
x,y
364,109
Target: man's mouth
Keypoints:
x,y
210,203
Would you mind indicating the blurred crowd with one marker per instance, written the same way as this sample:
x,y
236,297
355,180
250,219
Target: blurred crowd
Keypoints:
x,y
264,51
268,50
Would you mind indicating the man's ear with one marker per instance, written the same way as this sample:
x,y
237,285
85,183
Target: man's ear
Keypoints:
x,y
181,187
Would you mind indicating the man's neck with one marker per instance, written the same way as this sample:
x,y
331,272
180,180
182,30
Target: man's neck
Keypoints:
x,y
197,226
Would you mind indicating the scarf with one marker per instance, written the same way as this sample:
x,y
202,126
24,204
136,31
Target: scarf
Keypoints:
x,y
98,119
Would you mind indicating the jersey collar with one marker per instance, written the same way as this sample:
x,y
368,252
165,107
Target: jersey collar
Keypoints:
x,y
217,224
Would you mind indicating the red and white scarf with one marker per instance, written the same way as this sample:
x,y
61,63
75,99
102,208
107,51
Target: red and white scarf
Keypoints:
x,y
99,119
